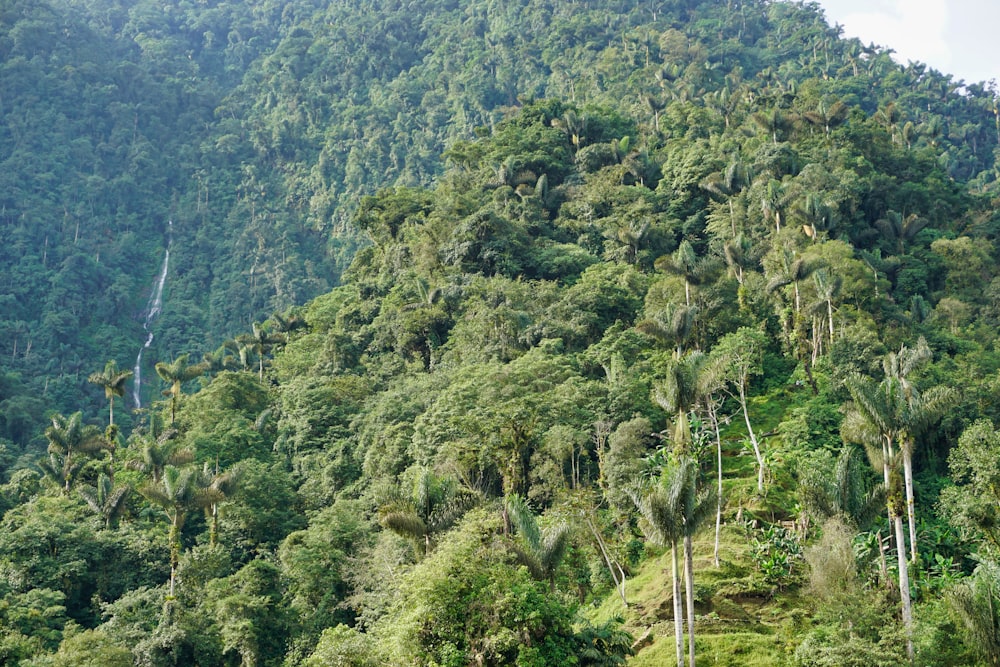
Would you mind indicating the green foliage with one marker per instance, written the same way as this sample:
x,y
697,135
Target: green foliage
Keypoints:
x,y
975,467
775,552
467,599
316,562
554,228
341,646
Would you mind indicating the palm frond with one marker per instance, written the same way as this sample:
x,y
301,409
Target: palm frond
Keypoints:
x,y
406,524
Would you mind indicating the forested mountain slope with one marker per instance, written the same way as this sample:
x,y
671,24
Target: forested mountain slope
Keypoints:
x,y
474,316
256,127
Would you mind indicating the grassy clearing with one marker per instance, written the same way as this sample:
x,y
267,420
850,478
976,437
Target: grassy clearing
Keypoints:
x,y
743,620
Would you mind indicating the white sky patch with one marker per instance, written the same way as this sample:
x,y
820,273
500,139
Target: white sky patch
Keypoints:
x,y
915,30
955,37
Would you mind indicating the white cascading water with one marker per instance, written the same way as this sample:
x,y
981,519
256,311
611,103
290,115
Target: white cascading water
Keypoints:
x,y
153,308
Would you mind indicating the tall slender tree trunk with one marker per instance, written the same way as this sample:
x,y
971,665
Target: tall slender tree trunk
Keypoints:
x,y
911,508
904,583
175,538
718,501
753,441
678,610
689,590
619,576
829,317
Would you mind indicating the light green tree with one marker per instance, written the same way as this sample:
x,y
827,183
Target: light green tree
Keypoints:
x,y
112,380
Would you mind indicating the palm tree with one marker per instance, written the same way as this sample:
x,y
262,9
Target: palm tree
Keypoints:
x,y
774,199
106,500
816,215
827,116
541,551
179,492
155,455
656,104
433,505
890,116
61,469
877,419
918,412
661,521
604,645
695,507
679,393
221,486
901,230
629,235
791,271
774,121
177,373
725,185
671,510
69,440
827,287
260,341
673,326
113,381
225,357
685,262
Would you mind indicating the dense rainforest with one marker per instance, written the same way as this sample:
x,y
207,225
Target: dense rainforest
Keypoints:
x,y
474,333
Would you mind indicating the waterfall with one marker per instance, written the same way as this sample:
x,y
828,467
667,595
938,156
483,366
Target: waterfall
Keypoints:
x,y
153,308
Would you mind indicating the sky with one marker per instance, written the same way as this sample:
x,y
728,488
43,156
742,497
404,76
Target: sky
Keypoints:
x,y
956,37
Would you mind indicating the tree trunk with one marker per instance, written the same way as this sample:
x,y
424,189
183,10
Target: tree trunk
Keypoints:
x,y
678,612
174,537
829,316
619,577
718,506
753,441
689,590
904,584
911,509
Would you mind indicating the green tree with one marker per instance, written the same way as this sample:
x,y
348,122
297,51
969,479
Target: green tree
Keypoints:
x,y
976,601
178,492
541,551
113,382
973,502
432,506
662,521
248,610
468,601
740,356
71,444
106,500
176,373
318,562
